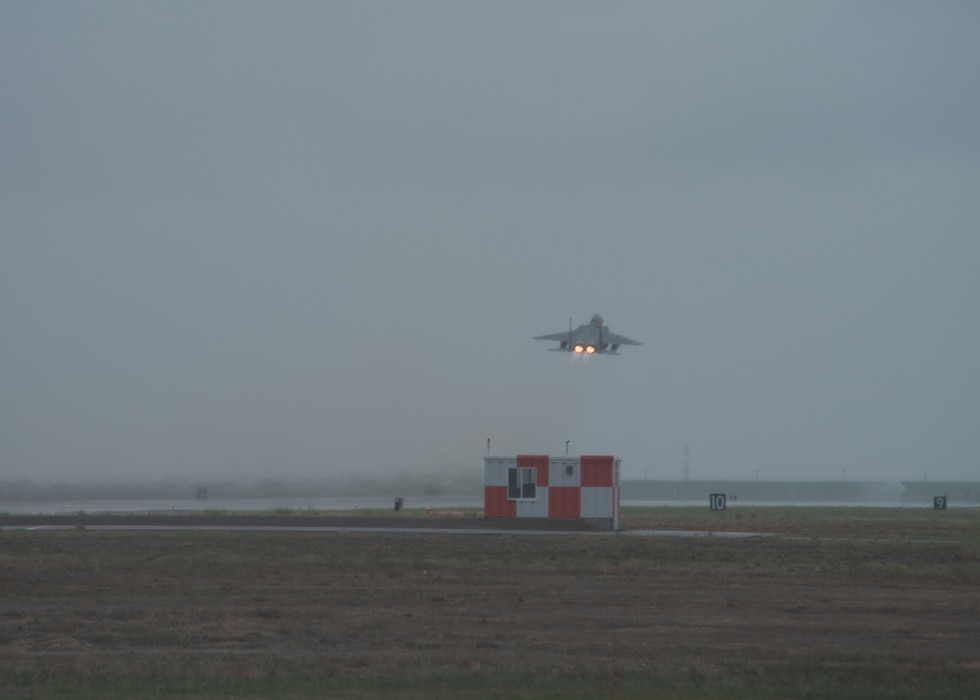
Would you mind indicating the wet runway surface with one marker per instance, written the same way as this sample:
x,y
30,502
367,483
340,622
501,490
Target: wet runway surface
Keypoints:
x,y
388,525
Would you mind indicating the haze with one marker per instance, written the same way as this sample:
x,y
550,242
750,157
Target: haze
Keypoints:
x,y
303,238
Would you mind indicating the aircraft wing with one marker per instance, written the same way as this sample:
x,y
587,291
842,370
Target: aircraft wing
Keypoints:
x,y
553,336
614,339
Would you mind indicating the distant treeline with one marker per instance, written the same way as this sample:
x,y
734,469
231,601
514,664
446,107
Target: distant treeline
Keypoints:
x,y
804,491
469,484
421,484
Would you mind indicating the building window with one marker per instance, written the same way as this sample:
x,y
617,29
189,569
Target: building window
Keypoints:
x,y
522,483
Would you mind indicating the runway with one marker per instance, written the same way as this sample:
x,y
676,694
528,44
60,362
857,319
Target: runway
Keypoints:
x,y
33,525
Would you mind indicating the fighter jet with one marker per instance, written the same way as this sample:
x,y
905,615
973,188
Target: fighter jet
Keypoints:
x,y
590,339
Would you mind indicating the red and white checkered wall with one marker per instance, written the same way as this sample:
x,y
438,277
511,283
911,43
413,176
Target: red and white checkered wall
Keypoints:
x,y
585,487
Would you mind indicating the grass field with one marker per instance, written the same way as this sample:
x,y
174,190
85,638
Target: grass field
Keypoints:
x,y
900,523
856,603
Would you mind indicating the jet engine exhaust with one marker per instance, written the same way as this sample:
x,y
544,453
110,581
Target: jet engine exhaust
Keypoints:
x,y
593,338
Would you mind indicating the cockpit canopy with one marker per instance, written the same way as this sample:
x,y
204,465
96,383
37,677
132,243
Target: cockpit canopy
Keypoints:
x,y
596,320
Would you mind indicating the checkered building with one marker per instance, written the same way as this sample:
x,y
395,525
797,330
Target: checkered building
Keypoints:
x,y
539,486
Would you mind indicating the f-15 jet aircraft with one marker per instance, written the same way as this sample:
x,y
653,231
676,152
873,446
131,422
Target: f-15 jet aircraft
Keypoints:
x,y
589,339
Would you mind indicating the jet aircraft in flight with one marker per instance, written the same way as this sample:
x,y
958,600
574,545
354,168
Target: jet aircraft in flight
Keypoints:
x,y
590,339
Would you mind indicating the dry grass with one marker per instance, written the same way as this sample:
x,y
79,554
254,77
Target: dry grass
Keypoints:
x,y
258,614
902,523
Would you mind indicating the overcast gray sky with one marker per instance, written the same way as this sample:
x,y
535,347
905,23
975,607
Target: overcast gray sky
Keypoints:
x,y
314,238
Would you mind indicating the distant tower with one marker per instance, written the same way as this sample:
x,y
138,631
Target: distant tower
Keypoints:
x,y
687,466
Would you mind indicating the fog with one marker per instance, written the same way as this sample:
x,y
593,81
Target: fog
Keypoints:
x,y
251,239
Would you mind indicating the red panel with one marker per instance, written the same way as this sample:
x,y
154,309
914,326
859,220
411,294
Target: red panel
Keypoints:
x,y
540,462
597,470
495,503
564,502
